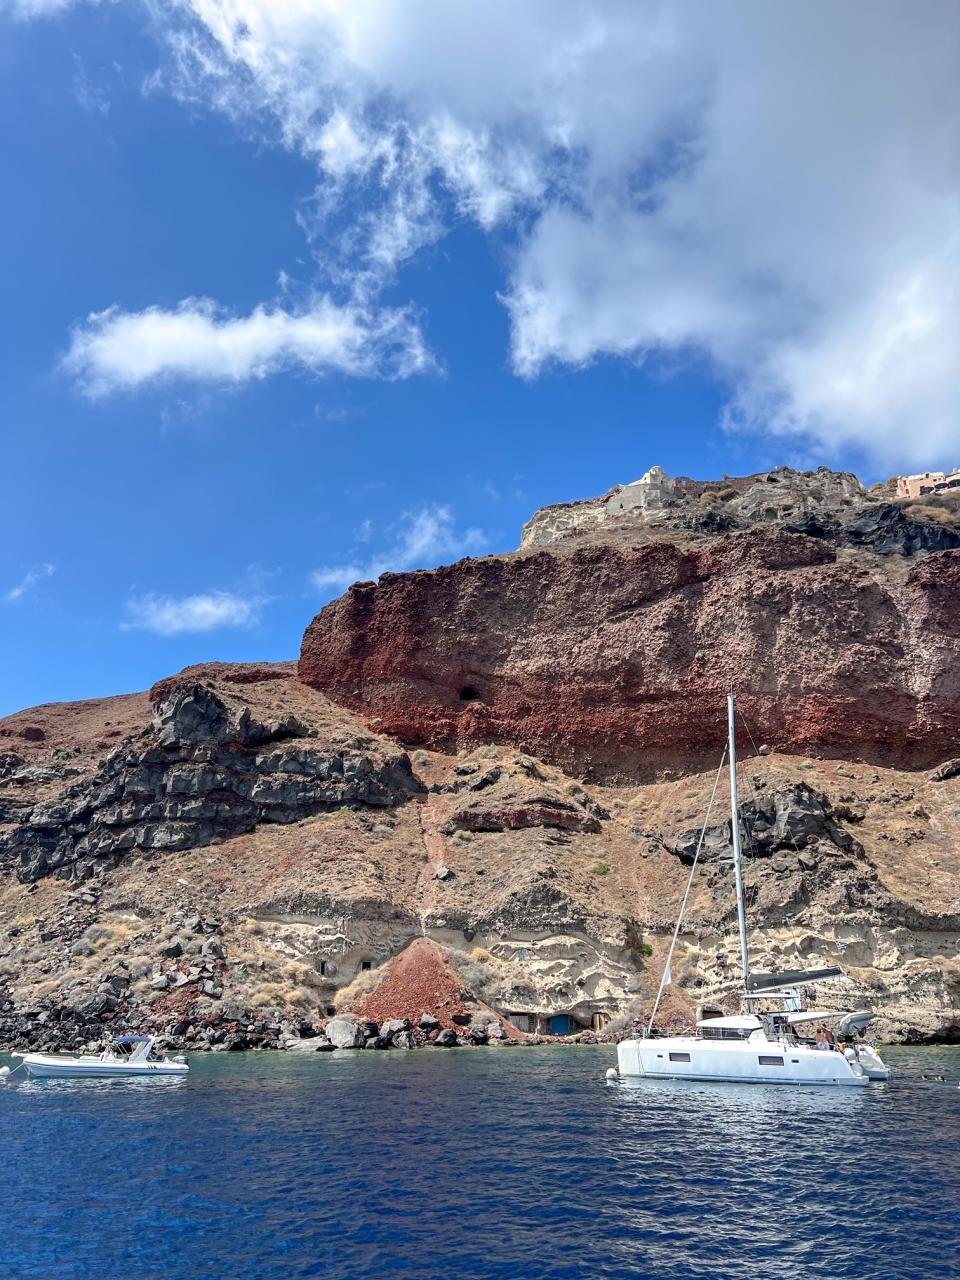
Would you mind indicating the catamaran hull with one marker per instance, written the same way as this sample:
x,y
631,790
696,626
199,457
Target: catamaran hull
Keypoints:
x,y
680,1058
47,1067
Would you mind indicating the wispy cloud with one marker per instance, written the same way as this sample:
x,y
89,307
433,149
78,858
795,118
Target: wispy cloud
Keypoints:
x,y
87,94
425,538
208,611
34,8
29,580
118,350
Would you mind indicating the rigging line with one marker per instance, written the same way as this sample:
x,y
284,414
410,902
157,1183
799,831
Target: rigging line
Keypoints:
x,y
746,724
686,892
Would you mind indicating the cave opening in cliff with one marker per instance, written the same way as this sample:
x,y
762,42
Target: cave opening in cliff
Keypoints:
x,y
469,694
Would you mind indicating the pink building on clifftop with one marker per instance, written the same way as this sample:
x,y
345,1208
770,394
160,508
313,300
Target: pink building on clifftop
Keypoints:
x,y
927,482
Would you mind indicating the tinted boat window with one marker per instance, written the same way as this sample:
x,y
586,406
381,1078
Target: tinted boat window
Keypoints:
x,y
679,1057
770,1061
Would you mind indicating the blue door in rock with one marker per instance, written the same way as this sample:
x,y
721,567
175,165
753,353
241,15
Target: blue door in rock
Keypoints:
x,y
561,1024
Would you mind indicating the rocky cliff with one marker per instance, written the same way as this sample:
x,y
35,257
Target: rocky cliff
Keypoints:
x,y
612,659
478,792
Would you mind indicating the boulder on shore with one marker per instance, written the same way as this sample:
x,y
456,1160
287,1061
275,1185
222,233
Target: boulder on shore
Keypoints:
x,y
393,1026
344,1032
312,1044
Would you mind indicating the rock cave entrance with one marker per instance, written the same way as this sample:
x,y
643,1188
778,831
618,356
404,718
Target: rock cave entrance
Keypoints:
x,y
469,694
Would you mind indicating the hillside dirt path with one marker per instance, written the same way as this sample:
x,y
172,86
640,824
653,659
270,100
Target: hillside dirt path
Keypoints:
x,y
435,853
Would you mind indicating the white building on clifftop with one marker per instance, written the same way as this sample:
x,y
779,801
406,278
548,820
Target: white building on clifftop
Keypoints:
x,y
653,491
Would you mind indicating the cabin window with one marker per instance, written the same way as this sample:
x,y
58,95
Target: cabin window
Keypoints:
x,y
365,965
768,1060
679,1057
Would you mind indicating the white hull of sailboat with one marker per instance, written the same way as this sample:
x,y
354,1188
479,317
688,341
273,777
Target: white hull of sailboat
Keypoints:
x,y
759,1062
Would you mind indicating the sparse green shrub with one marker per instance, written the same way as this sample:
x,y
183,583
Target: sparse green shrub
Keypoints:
x,y
601,869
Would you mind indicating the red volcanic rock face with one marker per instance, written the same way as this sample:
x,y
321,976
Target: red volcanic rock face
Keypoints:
x,y
618,658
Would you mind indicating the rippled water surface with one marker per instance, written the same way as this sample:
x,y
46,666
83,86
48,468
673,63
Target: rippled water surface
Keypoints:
x,y
479,1163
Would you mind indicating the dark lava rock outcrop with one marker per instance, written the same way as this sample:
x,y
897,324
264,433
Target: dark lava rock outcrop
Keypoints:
x,y
200,774
792,819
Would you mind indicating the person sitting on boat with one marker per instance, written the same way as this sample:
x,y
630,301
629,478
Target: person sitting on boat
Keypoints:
x,y
822,1041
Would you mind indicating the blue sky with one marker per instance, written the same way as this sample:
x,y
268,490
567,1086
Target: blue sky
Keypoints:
x,y
293,299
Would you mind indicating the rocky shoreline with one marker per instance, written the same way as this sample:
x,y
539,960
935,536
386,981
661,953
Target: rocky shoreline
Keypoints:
x,y
53,1030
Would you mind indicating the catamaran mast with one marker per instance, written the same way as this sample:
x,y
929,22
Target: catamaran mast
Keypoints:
x,y
735,829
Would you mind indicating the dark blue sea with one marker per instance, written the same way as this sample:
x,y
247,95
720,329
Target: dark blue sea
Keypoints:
x,y
479,1164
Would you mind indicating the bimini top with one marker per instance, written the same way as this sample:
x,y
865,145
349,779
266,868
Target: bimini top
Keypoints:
x,y
131,1039
736,1022
815,1015
854,1023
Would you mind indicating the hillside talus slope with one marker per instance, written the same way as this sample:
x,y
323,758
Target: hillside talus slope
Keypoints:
x,y
498,771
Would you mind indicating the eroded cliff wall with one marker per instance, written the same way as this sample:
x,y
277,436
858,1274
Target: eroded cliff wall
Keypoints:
x,y
614,659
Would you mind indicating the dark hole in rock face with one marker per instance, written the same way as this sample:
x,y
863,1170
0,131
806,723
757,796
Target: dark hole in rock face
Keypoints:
x,y
469,694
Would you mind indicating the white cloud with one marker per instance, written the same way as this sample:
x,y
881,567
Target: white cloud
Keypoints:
x,y
89,95
174,616
426,538
29,580
26,9
117,350
771,187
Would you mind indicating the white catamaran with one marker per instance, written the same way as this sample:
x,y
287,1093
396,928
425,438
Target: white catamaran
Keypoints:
x,y
755,1046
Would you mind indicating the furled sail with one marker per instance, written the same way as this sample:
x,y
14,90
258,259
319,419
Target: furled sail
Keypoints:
x,y
790,978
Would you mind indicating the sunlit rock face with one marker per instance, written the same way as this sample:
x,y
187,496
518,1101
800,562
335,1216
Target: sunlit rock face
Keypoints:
x,y
610,657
